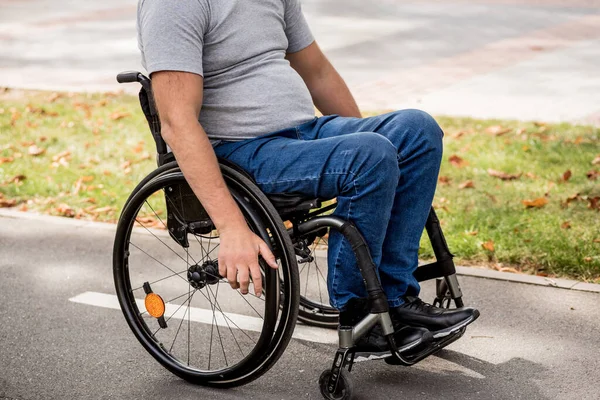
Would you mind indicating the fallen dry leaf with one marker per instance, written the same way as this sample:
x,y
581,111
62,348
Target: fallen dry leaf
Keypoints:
x,y
466,185
65,210
472,233
537,203
444,180
54,96
23,207
61,161
592,174
87,178
4,160
17,179
145,220
40,111
572,198
103,209
119,115
587,259
597,240
566,225
531,175
503,175
510,269
497,130
139,148
596,160
87,109
489,246
458,134
7,202
62,154
14,117
35,151
457,161
567,175
594,203
145,156
125,165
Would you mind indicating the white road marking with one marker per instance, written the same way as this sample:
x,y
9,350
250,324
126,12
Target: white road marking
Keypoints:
x,y
205,316
302,332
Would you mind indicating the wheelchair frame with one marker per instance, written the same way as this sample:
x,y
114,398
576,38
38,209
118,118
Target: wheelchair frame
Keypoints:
x,y
305,223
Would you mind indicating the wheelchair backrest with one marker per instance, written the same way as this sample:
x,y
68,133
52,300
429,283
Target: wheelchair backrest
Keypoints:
x,y
150,111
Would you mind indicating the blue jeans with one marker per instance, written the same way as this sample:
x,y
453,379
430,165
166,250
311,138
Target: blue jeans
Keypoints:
x,y
383,171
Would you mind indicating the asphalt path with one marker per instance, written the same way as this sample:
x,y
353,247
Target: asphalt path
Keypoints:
x,y
530,342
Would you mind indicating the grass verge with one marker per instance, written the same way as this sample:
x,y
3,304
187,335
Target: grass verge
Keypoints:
x,y
523,197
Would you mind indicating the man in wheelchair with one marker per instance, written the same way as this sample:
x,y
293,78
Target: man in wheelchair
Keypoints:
x,y
238,79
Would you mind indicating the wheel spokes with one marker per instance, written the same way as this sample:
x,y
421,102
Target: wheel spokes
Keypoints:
x,y
230,322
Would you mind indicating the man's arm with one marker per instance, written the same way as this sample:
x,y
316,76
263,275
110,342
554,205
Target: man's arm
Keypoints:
x,y
179,100
327,88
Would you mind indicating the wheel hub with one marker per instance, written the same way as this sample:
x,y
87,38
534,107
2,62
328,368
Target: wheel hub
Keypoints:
x,y
206,274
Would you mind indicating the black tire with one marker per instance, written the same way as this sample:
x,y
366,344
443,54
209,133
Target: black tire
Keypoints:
x,y
345,387
277,322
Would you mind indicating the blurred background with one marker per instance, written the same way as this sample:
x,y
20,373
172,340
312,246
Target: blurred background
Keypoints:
x,y
515,84
526,59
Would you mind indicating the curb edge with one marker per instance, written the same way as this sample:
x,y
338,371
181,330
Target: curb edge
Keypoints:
x,y
476,272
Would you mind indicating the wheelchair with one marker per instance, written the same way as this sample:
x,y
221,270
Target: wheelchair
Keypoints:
x,y
191,321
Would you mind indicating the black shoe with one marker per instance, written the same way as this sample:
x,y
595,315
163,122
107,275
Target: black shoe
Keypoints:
x,y
374,345
440,322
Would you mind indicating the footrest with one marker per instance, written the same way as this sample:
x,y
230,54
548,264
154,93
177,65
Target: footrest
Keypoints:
x,y
414,357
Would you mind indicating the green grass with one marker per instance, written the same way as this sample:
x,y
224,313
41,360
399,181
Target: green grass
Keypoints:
x,y
112,154
556,239
109,155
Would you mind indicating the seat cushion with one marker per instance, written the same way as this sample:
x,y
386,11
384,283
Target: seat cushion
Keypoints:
x,y
289,201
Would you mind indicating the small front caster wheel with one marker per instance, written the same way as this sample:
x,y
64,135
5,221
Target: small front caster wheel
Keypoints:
x,y
345,387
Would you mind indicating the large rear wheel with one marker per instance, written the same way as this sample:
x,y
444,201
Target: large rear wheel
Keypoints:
x,y
179,308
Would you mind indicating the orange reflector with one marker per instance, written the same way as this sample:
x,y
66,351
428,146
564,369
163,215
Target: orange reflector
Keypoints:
x,y
155,305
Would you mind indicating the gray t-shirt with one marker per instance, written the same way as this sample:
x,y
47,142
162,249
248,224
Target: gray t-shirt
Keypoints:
x,y
239,47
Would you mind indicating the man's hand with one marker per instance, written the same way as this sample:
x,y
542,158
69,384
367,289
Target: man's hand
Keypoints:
x,y
238,258
178,97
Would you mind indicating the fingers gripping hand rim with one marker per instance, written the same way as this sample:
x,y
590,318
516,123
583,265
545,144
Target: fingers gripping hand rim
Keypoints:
x,y
239,271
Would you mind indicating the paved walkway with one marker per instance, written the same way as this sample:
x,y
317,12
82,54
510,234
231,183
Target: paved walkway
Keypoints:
x,y
531,59
531,342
